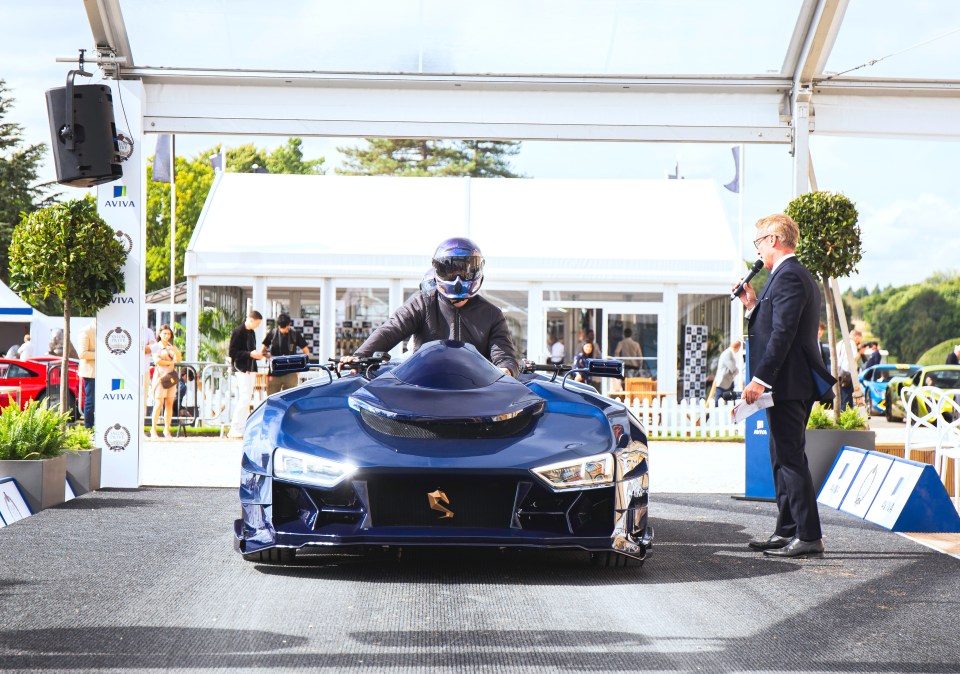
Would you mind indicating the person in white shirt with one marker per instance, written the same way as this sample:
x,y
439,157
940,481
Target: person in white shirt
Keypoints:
x,y
25,352
844,370
727,369
558,351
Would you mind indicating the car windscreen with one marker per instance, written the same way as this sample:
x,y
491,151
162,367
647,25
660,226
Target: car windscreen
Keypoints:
x,y
882,375
448,365
945,378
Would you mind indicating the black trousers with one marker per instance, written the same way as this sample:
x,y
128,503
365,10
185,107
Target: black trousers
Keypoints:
x,y
796,494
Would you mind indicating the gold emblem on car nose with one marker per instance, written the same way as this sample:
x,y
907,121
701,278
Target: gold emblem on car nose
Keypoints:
x,y
436,499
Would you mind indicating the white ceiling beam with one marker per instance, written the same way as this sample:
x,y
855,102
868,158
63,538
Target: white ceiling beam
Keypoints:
x,y
821,36
799,38
108,28
663,110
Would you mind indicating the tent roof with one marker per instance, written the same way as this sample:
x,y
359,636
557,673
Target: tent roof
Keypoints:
x,y
385,227
12,308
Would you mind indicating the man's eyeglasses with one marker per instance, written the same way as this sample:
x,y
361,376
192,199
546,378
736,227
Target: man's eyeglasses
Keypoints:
x,y
756,243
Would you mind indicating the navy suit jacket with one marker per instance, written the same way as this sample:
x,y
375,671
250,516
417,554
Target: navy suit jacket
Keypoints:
x,y
784,351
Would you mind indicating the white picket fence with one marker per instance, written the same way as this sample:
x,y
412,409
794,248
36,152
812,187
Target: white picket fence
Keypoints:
x,y
687,419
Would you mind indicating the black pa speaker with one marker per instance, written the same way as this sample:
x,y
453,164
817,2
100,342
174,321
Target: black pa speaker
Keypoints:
x,y
85,147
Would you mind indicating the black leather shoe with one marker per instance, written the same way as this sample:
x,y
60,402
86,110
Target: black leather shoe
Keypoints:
x,y
798,548
771,543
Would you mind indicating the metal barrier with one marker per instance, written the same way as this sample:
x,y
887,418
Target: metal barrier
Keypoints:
x,y
51,390
208,395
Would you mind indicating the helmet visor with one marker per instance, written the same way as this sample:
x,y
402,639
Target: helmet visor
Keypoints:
x,y
467,268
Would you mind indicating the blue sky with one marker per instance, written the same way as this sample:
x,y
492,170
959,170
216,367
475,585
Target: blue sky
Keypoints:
x,y
905,190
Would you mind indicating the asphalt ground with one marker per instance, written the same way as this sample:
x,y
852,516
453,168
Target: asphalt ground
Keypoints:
x,y
148,580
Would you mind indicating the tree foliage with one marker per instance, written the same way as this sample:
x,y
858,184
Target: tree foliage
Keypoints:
x,y
909,320
419,157
829,243
68,251
194,178
19,166
829,247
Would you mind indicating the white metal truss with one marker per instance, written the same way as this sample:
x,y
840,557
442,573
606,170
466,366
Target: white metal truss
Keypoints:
x,y
725,109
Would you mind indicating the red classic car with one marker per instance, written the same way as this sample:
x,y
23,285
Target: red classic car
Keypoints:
x,y
31,377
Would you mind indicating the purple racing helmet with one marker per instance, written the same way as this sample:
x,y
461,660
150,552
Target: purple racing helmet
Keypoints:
x,y
458,268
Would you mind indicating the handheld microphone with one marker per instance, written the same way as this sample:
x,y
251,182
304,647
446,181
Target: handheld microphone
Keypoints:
x,y
757,266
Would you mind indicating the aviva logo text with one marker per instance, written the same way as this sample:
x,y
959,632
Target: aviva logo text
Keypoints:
x,y
120,199
118,391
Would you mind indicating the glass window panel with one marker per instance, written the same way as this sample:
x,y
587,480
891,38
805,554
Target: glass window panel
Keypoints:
x,y
873,29
514,304
712,311
582,296
558,37
359,312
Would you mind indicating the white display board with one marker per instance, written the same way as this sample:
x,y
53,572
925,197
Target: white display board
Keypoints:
x,y
893,494
841,477
865,486
119,407
12,505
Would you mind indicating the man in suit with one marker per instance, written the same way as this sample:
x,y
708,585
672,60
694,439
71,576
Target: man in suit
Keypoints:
x,y
785,359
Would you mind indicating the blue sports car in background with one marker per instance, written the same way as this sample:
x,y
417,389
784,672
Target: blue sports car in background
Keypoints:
x,y
444,450
875,380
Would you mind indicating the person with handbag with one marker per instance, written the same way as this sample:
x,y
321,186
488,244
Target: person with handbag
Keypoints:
x,y
164,386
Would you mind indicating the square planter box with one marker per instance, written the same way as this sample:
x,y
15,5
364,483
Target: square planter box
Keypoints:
x,y
83,469
824,445
42,482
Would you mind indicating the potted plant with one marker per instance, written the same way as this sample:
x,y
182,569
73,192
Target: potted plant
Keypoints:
x,y
68,251
32,452
829,247
826,435
83,459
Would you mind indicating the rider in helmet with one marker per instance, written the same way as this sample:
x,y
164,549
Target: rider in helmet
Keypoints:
x,y
450,309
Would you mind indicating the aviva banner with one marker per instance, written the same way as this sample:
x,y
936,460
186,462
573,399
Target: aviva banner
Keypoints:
x,y
119,405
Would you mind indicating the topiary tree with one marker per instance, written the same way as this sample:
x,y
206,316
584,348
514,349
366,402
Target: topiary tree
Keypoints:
x,y
829,247
68,251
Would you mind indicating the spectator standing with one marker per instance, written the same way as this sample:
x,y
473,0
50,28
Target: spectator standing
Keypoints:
x,y
88,370
953,358
283,340
874,357
727,370
558,352
149,344
166,358
13,352
25,352
244,355
587,350
824,348
845,370
632,354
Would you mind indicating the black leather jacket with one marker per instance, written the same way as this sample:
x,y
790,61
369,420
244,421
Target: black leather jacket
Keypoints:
x,y
428,316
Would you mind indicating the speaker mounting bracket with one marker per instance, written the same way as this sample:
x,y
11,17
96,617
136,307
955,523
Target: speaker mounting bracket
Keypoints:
x,y
67,133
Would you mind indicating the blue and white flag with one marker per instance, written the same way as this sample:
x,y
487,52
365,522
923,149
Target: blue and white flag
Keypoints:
x,y
676,172
216,161
162,159
734,185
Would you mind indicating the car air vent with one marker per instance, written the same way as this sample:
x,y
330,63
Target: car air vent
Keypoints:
x,y
447,431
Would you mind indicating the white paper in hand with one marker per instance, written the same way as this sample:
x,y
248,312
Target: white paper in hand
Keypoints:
x,y
742,409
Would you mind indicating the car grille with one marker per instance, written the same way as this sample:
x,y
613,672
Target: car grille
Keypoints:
x,y
446,431
475,501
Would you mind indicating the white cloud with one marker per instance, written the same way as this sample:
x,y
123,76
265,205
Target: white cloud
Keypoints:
x,y
907,240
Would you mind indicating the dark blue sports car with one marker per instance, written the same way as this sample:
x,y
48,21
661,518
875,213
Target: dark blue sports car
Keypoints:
x,y
444,450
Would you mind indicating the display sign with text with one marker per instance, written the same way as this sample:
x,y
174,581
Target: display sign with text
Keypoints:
x,y
119,407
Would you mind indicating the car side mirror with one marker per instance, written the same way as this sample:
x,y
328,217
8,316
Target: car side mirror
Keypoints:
x,y
604,368
287,364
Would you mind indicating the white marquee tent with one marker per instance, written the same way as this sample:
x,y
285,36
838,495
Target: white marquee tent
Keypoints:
x,y
662,238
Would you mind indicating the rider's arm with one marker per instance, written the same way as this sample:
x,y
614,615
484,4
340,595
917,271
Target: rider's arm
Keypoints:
x,y
404,323
502,352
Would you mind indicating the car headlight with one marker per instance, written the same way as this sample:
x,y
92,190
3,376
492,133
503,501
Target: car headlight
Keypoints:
x,y
300,467
593,471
